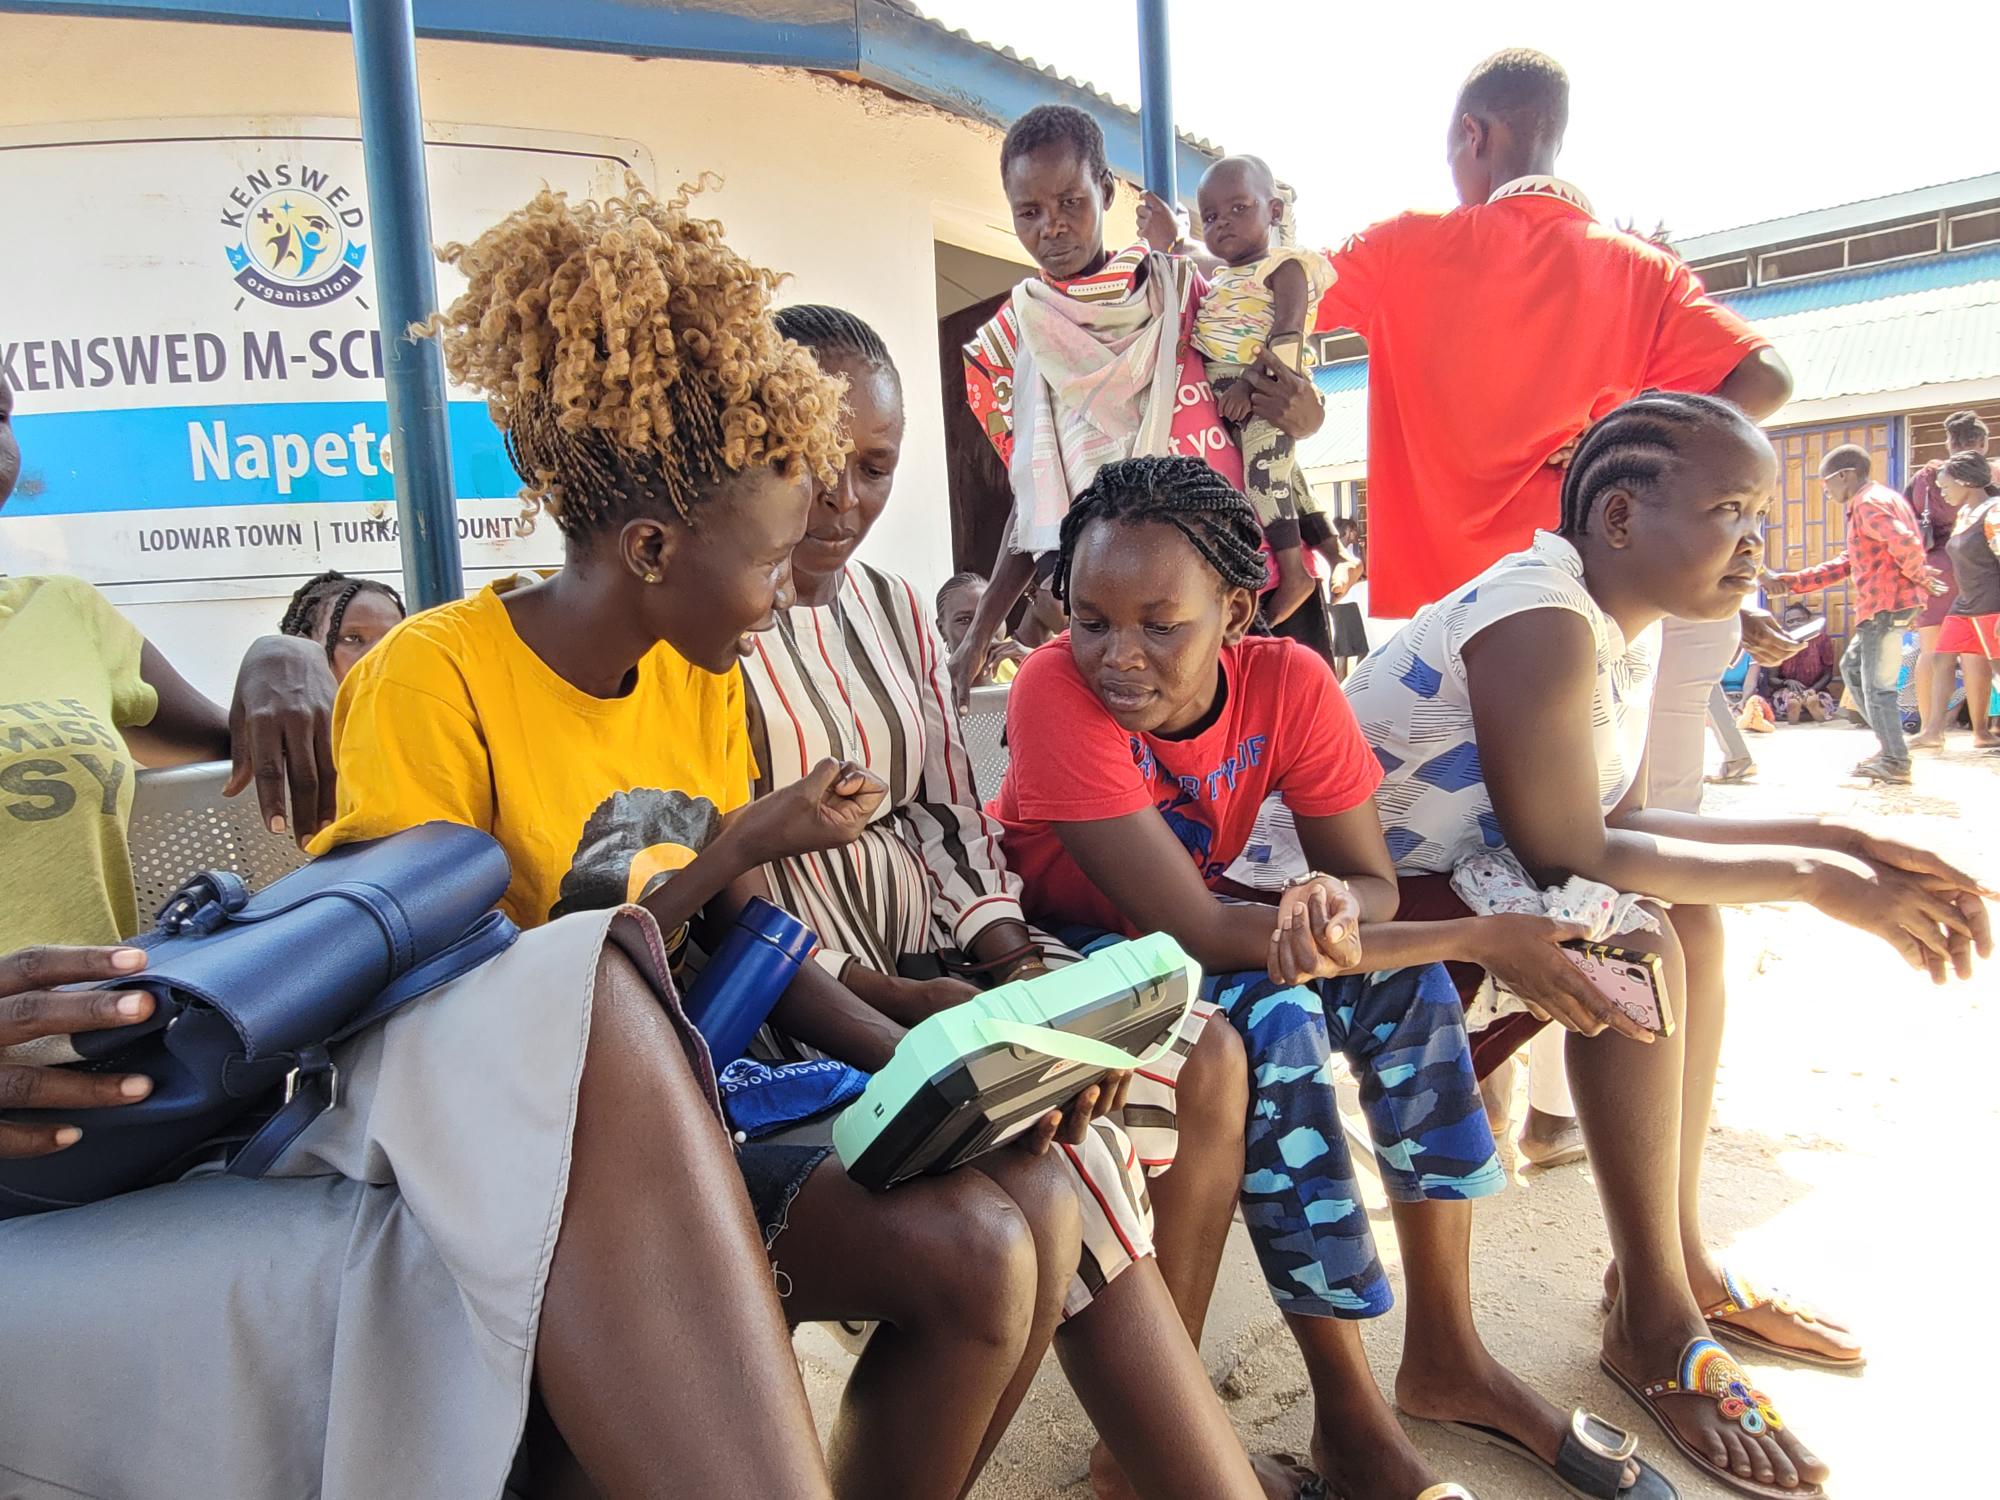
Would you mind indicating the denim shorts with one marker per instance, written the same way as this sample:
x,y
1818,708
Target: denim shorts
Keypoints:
x,y
773,1175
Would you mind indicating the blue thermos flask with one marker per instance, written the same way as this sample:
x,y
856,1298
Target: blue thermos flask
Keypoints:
x,y
745,977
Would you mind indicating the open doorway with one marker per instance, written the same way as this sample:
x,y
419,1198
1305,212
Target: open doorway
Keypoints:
x,y
970,288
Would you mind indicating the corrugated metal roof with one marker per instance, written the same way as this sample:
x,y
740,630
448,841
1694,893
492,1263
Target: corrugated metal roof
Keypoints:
x,y
1841,218
1199,143
1865,286
1343,436
1934,336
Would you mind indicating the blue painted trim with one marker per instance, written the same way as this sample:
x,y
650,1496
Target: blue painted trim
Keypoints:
x,y
392,148
820,33
1898,433
881,42
1961,269
918,58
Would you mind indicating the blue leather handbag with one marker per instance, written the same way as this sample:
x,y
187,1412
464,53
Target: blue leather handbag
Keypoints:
x,y
252,993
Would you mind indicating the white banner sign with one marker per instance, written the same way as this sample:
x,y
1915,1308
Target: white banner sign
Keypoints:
x,y
191,333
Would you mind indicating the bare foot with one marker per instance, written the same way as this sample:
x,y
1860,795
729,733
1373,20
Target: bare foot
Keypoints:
x,y
1485,1393
1281,1476
1779,1322
1775,1456
1375,1460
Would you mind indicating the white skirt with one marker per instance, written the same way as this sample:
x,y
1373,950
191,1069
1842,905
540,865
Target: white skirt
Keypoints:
x,y
361,1324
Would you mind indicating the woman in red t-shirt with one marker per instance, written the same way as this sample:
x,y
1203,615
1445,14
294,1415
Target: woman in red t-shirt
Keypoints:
x,y
1142,745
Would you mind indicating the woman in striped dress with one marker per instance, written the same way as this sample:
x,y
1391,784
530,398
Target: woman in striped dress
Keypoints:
x,y
857,670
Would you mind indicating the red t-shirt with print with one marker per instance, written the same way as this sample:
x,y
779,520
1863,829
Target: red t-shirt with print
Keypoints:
x,y
1284,726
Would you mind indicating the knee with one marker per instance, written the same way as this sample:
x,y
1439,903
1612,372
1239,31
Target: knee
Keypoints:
x,y
1212,1094
1042,1190
975,1271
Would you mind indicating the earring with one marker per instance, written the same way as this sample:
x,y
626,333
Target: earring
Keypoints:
x,y
652,578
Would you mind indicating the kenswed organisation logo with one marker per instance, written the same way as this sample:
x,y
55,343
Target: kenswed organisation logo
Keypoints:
x,y
294,233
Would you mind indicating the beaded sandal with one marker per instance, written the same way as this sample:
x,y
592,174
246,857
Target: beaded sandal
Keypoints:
x,y
1708,1372
1741,1297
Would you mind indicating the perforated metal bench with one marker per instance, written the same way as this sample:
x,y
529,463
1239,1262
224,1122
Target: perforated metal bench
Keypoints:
x,y
182,823
985,738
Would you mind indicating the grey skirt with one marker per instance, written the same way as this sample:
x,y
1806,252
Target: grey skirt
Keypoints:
x,y
360,1325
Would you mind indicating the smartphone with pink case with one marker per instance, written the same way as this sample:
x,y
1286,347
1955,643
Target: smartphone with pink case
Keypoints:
x,y
1634,982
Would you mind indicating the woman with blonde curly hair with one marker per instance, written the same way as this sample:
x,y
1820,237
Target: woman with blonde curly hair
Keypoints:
x,y
593,722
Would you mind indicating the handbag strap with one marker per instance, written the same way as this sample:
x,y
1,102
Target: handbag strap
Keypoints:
x,y
313,1086
1054,1042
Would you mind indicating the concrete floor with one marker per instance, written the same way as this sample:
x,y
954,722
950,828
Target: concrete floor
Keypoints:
x,y
1855,1105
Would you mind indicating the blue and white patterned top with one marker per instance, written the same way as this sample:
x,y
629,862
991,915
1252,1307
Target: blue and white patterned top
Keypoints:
x,y
1410,695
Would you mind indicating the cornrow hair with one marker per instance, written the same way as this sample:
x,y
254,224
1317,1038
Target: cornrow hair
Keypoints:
x,y
1636,444
1059,125
326,598
1184,493
955,582
629,357
1975,469
834,332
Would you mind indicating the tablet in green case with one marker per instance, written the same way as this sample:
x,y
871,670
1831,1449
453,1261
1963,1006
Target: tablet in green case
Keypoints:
x,y
969,1078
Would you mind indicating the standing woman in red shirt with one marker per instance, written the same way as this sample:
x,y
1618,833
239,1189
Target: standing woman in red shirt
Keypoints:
x,y
1937,518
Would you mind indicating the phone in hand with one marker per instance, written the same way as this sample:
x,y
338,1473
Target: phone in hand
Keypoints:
x,y
1634,982
1812,630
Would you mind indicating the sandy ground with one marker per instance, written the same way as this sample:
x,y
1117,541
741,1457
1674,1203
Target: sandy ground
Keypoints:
x,y
1853,1105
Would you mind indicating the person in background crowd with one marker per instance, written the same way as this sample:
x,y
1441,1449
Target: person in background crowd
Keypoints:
x,y
1479,387
1146,748
411,1299
921,908
1971,632
1346,550
1512,718
1800,686
593,722
1091,324
957,601
1964,432
1884,558
348,616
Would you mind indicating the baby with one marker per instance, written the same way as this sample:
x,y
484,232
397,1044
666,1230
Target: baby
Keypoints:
x,y
1260,298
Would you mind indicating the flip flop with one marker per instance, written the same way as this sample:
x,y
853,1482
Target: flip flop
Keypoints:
x,y
1707,1372
1589,1464
1447,1492
1742,1297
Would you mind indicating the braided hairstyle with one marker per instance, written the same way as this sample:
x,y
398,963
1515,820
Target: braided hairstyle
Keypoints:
x,y
1636,445
1975,469
833,332
628,355
1183,493
953,584
320,605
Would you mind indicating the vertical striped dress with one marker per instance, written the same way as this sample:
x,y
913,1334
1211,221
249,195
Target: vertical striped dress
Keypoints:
x,y
864,679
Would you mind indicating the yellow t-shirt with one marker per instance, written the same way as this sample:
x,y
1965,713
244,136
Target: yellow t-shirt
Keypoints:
x,y
453,718
69,681
1235,316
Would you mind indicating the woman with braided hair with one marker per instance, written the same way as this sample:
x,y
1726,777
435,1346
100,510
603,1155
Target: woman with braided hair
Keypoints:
x,y
1512,718
1143,745
348,616
594,723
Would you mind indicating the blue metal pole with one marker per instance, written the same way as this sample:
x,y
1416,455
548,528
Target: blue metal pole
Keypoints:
x,y
1156,98
392,142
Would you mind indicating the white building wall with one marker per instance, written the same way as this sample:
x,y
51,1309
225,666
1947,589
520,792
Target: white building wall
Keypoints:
x,y
837,183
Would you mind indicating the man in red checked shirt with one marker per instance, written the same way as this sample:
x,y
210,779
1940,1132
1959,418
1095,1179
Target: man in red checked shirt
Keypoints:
x,y
1889,585
1496,334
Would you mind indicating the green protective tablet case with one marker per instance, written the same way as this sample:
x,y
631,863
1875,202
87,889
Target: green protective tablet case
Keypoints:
x,y
968,1079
